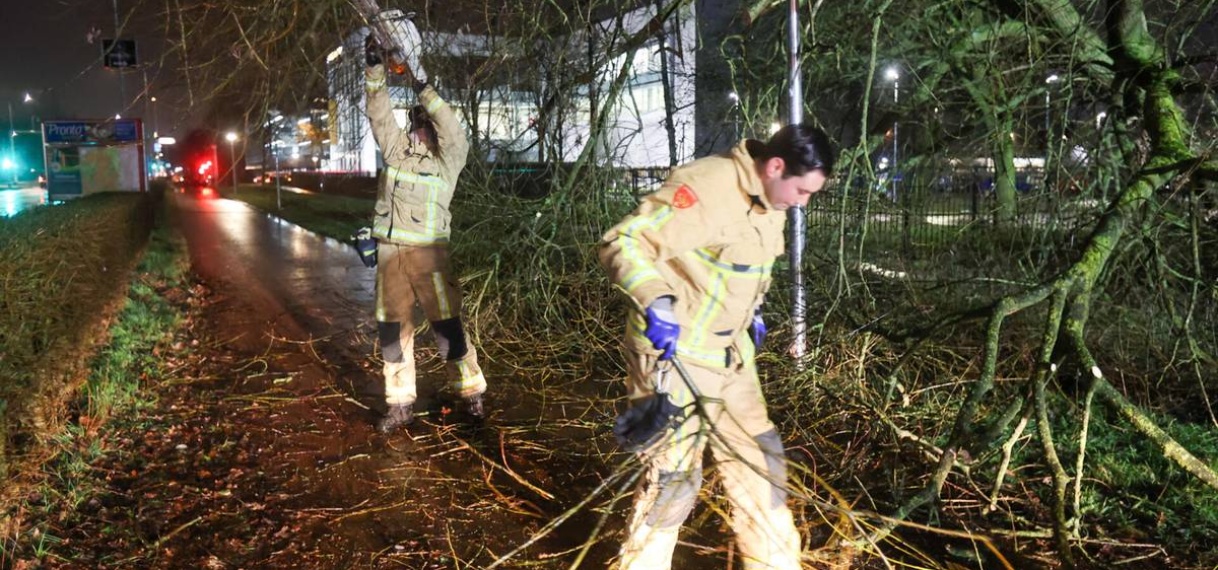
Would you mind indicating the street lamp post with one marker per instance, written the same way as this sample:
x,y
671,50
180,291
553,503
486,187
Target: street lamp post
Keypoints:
x,y
894,75
735,99
231,137
155,131
27,99
12,145
1049,81
275,153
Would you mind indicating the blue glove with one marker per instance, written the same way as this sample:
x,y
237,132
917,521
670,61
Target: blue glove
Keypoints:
x,y
662,328
757,328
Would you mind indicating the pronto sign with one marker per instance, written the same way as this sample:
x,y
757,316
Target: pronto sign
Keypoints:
x,y
92,132
87,156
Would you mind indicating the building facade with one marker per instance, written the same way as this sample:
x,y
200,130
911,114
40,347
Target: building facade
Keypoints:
x,y
503,114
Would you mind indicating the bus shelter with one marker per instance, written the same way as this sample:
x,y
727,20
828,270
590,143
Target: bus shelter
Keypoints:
x,y
89,156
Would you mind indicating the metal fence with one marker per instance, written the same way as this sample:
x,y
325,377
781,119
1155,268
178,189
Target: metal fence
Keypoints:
x,y
931,218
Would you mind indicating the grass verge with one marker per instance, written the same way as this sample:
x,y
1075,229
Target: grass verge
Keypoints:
x,y
137,334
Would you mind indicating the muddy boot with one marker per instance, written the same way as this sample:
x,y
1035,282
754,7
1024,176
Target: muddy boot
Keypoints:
x,y
473,406
398,415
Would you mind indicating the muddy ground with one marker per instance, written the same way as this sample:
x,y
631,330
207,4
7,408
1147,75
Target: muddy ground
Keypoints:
x,y
259,451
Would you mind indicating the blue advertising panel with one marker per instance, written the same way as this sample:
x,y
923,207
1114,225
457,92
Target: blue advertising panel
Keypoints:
x,y
88,156
117,131
63,171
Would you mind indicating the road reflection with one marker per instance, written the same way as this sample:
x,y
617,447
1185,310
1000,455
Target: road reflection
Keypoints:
x,y
17,200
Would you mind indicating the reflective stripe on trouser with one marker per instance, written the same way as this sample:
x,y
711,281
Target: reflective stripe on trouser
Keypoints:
x,y
747,452
406,275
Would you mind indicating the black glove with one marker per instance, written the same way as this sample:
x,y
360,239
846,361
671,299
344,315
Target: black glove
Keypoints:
x,y
646,421
373,54
365,246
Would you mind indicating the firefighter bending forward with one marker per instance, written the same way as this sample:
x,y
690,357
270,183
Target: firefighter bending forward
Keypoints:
x,y
411,226
696,258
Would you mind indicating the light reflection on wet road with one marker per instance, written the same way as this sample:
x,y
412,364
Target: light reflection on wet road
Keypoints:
x,y
300,283
15,201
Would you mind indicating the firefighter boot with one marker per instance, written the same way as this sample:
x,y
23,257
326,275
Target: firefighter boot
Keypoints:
x,y
399,415
473,406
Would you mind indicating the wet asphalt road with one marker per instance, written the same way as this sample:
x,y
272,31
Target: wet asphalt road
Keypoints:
x,y
16,200
291,282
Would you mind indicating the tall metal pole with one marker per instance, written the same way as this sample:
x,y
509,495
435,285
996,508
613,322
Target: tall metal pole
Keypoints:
x,y
896,144
278,201
1049,81
122,79
232,160
799,308
12,145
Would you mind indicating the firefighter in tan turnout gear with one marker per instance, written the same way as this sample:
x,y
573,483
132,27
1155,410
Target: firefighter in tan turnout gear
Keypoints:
x,y
411,228
696,258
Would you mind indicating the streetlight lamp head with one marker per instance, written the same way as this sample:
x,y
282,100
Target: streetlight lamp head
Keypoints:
x,y
27,98
230,137
892,73
1052,78
733,96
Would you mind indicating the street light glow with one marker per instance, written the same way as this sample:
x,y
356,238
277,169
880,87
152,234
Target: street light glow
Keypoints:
x,y
27,98
733,96
167,140
1052,79
230,137
892,73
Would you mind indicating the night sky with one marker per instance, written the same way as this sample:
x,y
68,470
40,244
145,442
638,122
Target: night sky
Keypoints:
x,y
47,53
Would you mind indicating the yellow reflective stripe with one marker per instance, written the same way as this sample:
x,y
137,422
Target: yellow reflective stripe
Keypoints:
x,y
430,223
643,270
437,279
415,178
407,236
708,259
470,377
748,352
714,357
680,453
435,104
709,356
434,184
712,301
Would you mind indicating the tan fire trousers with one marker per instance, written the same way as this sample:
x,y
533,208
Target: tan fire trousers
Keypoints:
x,y
406,275
747,452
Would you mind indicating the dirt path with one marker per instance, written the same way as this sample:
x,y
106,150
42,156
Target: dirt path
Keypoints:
x,y
259,451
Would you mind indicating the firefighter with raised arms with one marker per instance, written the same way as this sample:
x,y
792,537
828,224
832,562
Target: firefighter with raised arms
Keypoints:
x,y
410,227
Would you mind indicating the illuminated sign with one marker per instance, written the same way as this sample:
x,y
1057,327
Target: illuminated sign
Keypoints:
x,y
92,132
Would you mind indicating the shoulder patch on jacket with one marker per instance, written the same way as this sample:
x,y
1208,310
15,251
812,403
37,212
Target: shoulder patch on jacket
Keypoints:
x,y
684,197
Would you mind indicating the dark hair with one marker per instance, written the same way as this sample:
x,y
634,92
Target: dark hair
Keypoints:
x,y
419,119
802,148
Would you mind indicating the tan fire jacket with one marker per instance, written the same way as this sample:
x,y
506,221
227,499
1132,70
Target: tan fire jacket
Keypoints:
x,y
417,186
709,238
